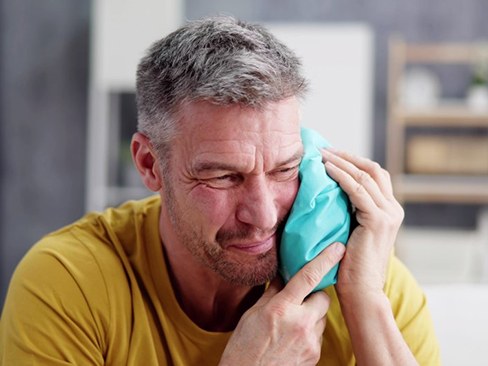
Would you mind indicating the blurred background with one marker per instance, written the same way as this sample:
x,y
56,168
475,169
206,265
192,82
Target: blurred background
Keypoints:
x,y
403,82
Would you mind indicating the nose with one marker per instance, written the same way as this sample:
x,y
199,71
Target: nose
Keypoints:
x,y
257,206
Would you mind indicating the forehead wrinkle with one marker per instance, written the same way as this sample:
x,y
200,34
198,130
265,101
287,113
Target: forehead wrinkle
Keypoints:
x,y
294,158
224,149
224,158
288,148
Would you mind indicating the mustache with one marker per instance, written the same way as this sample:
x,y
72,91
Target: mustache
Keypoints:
x,y
249,232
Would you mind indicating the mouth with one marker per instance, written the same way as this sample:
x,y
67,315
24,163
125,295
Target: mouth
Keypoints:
x,y
254,248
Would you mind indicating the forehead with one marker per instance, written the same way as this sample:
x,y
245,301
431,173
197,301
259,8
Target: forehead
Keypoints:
x,y
248,135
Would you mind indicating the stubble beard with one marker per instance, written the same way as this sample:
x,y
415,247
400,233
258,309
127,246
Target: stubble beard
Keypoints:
x,y
242,270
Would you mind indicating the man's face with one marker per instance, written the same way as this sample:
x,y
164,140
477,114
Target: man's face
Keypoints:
x,y
232,179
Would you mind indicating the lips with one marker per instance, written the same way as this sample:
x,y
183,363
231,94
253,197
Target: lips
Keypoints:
x,y
257,247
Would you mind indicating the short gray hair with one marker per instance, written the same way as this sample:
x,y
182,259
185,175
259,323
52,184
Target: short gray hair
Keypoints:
x,y
221,60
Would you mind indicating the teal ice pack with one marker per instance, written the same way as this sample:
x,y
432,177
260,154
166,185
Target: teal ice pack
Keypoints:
x,y
319,217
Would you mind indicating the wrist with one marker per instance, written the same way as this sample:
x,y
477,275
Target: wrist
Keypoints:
x,y
363,303
375,337
355,291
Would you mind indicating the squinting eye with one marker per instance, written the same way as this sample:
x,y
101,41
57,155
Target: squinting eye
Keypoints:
x,y
226,177
286,173
223,181
285,170
290,169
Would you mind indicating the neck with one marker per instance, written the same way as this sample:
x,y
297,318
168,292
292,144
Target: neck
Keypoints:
x,y
208,300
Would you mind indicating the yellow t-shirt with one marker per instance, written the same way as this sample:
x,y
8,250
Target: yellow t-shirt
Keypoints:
x,y
97,292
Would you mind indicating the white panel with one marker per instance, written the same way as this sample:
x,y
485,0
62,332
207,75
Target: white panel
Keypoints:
x,y
337,60
460,318
123,30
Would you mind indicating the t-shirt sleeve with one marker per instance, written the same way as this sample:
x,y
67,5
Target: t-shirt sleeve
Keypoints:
x,y
412,315
53,312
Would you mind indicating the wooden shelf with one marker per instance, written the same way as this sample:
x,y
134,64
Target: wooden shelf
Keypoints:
x,y
444,116
442,188
449,53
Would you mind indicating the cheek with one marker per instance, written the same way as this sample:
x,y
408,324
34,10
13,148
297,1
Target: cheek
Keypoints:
x,y
214,206
287,193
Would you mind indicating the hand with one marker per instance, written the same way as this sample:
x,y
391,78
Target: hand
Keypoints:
x,y
379,215
375,337
286,325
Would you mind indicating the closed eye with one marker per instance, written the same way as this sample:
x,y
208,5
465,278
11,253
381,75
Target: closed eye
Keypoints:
x,y
285,170
223,181
231,177
286,173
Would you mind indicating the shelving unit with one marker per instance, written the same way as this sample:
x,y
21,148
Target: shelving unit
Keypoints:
x,y
436,188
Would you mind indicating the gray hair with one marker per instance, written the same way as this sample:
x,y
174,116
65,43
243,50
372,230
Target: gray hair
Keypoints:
x,y
221,60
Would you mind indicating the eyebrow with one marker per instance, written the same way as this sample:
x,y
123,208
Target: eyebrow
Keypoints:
x,y
294,158
217,165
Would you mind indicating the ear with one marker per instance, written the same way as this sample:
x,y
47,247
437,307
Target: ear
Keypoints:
x,y
146,161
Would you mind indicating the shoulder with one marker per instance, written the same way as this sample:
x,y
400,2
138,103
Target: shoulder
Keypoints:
x,y
69,272
70,298
93,248
402,288
73,286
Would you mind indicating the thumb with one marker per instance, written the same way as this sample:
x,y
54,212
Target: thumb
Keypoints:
x,y
307,278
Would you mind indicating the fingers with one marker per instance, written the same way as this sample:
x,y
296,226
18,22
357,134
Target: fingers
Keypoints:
x,y
363,180
359,195
303,283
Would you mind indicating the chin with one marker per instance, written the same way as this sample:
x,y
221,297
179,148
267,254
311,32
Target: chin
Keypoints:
x,y
251,273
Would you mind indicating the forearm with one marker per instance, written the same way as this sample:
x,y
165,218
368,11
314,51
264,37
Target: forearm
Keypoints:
x,y
375,337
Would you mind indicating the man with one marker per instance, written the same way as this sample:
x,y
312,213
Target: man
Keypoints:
x,y
189,277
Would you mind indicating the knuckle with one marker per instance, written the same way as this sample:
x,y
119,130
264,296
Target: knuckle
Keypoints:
x,y
312,275
376,167
396,211
362,177
369,163
394,218
312,352
377,171
380,217
400,212
301,330
359,189
274,311
390,222
347,155
316,356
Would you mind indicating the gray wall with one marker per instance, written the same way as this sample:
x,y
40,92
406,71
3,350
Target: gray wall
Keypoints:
x,y
43,96
43,89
